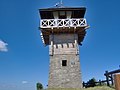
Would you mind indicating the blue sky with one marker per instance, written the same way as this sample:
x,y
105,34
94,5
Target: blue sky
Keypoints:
x,y
24,60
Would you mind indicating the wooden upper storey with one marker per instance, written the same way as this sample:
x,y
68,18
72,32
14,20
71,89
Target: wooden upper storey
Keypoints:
x,y
62,20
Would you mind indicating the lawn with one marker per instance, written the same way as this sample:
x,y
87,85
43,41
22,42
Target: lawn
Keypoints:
x,y
100,88
94,88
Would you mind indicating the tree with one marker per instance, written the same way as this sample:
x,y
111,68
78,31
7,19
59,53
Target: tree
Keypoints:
x,y
91,83
39,86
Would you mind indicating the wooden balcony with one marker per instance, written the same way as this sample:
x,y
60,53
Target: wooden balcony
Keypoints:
x,y
57,23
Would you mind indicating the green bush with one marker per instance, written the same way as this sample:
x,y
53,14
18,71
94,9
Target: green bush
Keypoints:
x,y
39,86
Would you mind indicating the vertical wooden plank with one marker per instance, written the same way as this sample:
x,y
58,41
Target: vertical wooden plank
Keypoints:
x,y
117,81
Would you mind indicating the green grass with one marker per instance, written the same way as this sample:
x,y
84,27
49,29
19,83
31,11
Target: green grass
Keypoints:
x,y
100,88
94,88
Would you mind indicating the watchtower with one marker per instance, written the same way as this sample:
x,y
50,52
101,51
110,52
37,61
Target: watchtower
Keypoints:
x,y
63,29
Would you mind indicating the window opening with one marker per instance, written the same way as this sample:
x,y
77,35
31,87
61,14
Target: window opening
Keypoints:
x,y
64,62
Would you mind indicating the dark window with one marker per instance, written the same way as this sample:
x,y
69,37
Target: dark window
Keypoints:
x,y
46,15
78,13
64,62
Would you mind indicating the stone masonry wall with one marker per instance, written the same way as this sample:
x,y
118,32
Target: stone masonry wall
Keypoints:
x,y
64,47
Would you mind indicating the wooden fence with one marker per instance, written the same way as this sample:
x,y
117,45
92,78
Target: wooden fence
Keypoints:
x,y
109,76
109,79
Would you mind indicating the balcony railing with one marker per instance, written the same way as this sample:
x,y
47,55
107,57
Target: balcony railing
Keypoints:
x,y
56,23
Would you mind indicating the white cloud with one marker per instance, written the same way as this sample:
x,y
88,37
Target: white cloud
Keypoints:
x,y
24,82
3,46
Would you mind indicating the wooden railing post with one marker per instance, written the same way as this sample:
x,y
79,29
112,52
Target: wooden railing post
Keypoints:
x,y
117,81
107,78
100,83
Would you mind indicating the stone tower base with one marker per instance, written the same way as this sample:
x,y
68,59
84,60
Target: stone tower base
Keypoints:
x,y
64,62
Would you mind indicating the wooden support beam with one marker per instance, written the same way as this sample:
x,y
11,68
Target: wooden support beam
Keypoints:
x,y
112,72
117,81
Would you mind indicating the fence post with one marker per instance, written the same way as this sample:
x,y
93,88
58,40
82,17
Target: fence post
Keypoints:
x,y
112,79
117,81
100,82
107,78
83,84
